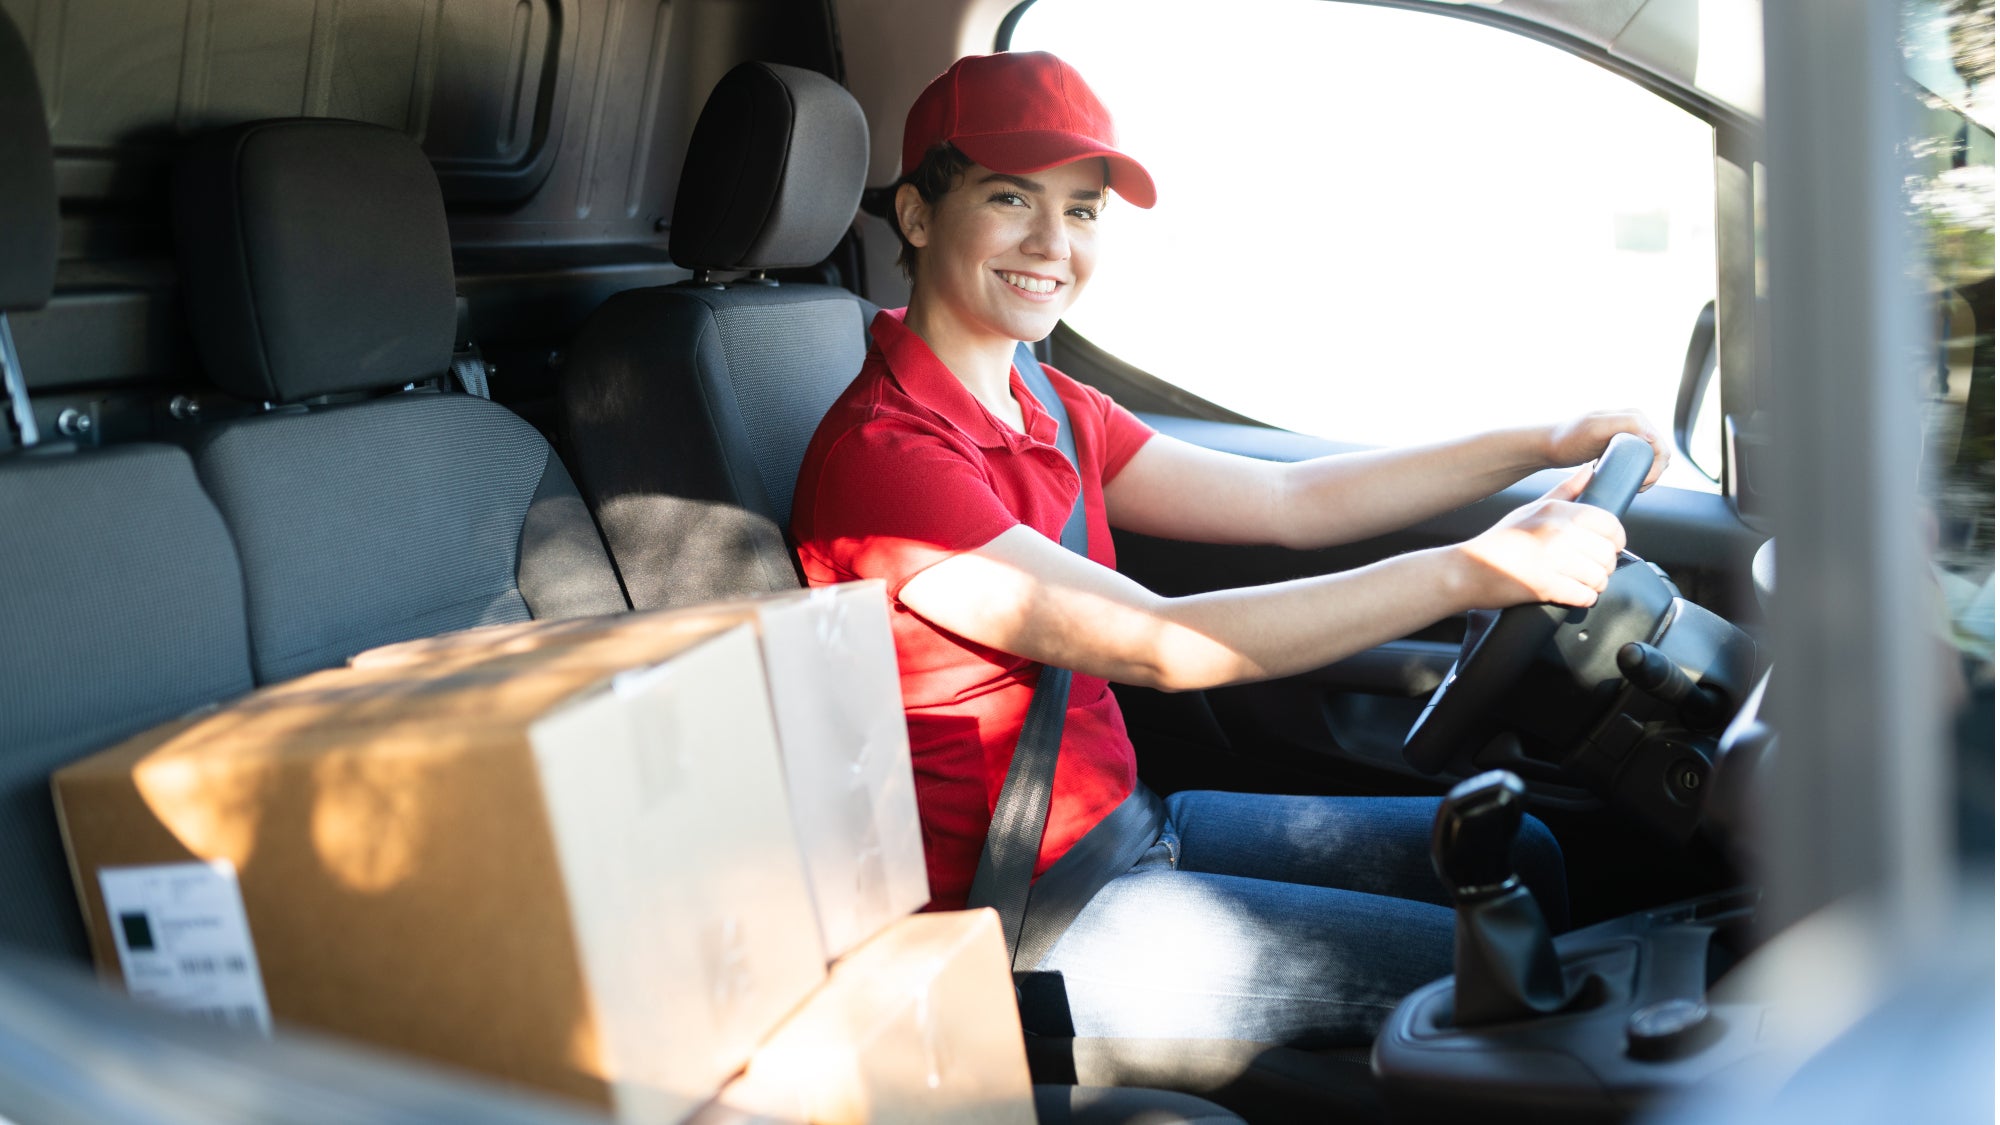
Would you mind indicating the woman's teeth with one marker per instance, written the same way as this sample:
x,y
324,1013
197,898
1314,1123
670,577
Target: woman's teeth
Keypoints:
x,y
1029,284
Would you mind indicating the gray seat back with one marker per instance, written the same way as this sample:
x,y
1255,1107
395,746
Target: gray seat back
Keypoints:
x,y
317,273
400,517
121,606
690,406
121,601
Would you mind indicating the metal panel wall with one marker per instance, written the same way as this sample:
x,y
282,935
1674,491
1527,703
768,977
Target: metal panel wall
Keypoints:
x,y
557,127
476,80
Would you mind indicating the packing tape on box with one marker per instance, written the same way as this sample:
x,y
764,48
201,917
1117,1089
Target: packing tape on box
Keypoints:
x,y
820,598
937,1050
861,805
868,806
660,756
725,959
836,638
871,872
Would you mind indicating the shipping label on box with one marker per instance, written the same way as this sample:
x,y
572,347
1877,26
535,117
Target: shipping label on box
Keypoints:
x,y
183,941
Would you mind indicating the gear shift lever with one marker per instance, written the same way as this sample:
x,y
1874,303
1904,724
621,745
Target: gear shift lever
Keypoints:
x,y
1504,960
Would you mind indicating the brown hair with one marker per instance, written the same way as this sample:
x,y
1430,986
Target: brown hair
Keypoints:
x,y
934,176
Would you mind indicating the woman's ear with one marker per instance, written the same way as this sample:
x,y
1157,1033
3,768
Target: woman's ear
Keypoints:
x,y
913,215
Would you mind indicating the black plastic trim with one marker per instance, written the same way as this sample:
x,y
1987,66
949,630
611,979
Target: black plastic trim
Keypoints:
x,y
1005,36
1697,368
1133,388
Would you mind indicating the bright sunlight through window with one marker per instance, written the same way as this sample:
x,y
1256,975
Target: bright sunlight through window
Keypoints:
x,y
1387,226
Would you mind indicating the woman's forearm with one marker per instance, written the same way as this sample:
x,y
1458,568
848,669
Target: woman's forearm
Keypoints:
x,y
1023,594
1353,496
1264,632
1175,490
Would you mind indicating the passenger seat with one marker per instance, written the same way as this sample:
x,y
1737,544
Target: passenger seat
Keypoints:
x,y
121,599
689,406
368,508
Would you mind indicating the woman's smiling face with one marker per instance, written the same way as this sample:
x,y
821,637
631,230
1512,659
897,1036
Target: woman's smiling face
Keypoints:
x,y
1003,255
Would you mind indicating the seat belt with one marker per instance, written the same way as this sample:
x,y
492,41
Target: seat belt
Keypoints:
x,y
19,426
468,367
1014,838
1034,915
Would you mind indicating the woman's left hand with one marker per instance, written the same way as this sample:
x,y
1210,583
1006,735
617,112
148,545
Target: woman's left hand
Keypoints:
x,y
1582,439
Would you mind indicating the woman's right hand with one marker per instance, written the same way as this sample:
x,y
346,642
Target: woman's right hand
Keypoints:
x,y
1549,550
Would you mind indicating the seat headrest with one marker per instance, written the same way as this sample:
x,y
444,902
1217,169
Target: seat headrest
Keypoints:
x,y
27,181
774,171
314,257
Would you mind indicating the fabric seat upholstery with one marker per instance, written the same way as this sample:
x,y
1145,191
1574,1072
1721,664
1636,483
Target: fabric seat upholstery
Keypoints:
x,y
1121,1105
689,406
121,606
121,600
317,265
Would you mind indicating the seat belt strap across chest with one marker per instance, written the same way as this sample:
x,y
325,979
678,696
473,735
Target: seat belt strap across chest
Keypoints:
x,y
1014,838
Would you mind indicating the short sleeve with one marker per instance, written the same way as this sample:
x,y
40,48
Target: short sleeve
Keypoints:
x,y
1123,432
893,499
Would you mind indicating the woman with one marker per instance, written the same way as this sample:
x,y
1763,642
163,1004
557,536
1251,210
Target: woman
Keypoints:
x,y
1279,919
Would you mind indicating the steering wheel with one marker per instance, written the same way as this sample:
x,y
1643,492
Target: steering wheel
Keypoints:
x,y
1460,711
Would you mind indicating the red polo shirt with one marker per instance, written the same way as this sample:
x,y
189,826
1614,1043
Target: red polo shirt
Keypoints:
x,y
907,469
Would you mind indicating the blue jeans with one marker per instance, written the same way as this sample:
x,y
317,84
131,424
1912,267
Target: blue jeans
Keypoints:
x,y
1295,920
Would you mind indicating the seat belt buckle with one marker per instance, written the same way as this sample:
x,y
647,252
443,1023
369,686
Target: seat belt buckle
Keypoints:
x,y
1044,1002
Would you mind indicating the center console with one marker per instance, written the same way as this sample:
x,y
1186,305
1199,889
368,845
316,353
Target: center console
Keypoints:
x,y
1588,1027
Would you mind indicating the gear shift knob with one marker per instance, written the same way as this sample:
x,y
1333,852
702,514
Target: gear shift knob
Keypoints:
x,y
1503,960
1472,840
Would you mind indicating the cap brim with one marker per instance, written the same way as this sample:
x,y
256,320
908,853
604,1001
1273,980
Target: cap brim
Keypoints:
x,y
1019,154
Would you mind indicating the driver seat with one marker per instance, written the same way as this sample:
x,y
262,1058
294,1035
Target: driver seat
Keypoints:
x,y
689,407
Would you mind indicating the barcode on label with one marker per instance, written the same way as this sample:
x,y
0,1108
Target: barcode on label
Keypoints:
x,y
240,1016
209,966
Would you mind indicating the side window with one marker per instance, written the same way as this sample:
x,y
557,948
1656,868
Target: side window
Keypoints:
x,y
1948,57
1386,226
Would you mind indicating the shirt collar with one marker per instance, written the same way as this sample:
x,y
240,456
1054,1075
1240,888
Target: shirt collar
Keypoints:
x,y
925,378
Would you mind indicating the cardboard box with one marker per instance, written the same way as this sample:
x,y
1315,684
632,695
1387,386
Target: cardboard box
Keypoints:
x,y
917,1025
576,874
831,661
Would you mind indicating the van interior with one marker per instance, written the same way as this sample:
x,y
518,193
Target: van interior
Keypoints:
x,y
329,325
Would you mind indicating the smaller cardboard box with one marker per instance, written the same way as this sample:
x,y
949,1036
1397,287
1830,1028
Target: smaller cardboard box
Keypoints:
x,y
916,1025
831,661
571,872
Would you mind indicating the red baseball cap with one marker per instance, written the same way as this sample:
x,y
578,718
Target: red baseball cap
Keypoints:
x,y
1020,112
